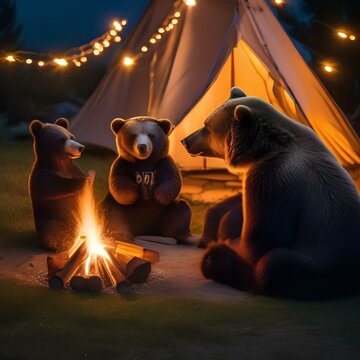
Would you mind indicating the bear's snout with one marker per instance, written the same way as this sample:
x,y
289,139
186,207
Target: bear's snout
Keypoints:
x,y
73,149
142,148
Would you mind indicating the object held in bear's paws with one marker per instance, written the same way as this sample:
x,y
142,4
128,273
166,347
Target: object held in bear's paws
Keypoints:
x,y
222,264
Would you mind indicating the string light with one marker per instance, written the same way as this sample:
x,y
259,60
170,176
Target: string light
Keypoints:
x,y
158,36
10,58
128,61
177,14
174,21
161,30
76,56
279,2
191,3
144,49
342,34
152,40
328,68
352,37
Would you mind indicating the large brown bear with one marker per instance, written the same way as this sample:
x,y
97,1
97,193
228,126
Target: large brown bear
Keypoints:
x,y
144,183
56,183
298,218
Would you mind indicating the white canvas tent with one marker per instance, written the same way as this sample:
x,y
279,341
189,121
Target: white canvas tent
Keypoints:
x,y
216,45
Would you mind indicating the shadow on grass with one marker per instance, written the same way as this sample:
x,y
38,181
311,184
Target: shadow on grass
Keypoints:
x,y
16,239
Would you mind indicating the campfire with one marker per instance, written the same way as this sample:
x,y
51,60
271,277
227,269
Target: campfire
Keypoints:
x,y
94,262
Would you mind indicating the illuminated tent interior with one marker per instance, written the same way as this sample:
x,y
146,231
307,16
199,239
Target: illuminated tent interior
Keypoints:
x,y
189,72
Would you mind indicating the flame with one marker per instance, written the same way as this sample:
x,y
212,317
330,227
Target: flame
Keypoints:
x,y
90,227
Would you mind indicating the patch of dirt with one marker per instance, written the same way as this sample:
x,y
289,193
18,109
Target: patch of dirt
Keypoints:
x,y
177,273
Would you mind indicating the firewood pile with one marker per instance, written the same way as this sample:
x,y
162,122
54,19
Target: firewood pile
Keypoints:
x,y
123,265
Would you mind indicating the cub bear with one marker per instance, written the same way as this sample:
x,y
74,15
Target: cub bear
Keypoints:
x,y
298,218
144,183
55,184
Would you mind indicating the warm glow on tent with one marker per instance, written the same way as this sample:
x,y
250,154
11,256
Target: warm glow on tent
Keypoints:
x,y
10,58
328,68
128,61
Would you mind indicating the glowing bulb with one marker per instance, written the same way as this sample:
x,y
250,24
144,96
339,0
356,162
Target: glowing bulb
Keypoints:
x,y
152,40
342,34
161,30
167,28
190,3
128,61
124,22
174,21
328,68
113,32
177,14
352,37
106,43
144,49
171,26
117,26
83,59
158,36
41,63
279,2
29,61
97,45
61,62
77,63
101,49
10,58
96,52
117,38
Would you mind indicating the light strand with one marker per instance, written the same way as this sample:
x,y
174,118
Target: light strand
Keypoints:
x,y
167,26
76,56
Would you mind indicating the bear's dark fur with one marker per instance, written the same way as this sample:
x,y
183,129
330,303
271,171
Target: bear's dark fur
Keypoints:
x,y
55,184
298,231
144,183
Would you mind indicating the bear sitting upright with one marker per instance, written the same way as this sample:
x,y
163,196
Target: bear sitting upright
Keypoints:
x,y
56,183
144,183
297,222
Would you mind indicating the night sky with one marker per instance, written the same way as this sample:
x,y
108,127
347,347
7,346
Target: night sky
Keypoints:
x,y
53,25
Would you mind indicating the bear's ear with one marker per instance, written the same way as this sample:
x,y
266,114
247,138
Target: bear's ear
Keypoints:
x,y
62,122
117,124
236,92
35,127
243,113
166,126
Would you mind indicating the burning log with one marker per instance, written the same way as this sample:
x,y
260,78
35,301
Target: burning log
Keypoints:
x,y
137,251
79,283
136,270
63,276
56,263
116,277
94,282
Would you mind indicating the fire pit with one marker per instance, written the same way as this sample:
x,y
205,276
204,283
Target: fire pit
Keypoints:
x,y
94,263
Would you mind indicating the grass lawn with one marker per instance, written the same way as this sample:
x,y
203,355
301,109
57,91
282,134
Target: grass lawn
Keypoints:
x,y
37,323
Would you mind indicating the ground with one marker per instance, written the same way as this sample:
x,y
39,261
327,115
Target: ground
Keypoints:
x,y
175,322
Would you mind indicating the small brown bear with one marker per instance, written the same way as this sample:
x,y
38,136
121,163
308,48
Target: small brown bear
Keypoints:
x,y
56,183
295,227
144,183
